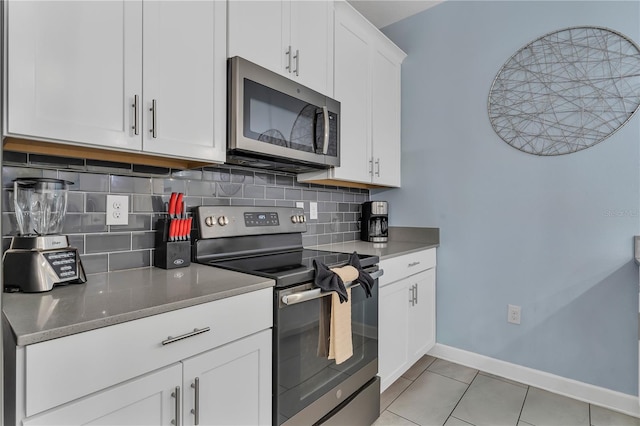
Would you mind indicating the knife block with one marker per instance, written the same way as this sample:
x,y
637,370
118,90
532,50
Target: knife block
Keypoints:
x,y
170,254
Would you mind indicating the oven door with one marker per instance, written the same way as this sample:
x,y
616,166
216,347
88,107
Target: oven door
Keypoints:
x,y
307,385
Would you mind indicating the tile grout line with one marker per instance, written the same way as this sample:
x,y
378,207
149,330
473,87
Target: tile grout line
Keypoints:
x,y
523,402
461,396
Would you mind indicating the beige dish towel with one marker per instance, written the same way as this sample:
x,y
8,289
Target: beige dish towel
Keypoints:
x,y
340,340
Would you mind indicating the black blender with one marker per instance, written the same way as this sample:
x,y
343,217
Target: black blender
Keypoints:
x,y
40,257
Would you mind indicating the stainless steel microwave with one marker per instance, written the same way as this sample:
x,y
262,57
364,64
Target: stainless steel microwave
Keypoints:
x,y
276,123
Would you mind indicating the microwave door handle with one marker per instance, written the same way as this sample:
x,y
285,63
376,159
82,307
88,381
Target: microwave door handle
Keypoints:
x,y
325,145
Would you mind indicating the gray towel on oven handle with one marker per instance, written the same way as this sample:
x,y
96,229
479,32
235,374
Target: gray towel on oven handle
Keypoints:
x,y
327,280
364,278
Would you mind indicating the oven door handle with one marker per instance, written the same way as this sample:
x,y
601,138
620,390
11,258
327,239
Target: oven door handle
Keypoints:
x,y
316,293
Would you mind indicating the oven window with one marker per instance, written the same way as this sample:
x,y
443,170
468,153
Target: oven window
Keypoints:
x,y
276,118
303,371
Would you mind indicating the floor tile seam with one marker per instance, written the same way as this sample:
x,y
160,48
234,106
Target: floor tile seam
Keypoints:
x,y
503,379
458,418
402,417
461,396
398,396
526,394
459,381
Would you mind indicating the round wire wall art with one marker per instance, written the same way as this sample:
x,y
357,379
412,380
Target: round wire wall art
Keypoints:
x,y
566,91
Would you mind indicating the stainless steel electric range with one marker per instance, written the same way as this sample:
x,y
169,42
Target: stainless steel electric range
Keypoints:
x,y
308,388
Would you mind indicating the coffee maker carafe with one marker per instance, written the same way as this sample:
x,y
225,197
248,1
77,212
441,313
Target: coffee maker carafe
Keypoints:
x,y
374,222
39,257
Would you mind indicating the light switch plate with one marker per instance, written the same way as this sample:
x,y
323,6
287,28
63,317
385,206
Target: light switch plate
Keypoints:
x,y
313,210
117,209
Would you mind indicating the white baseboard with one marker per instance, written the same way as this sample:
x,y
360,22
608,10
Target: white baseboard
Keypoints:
x,y
613,400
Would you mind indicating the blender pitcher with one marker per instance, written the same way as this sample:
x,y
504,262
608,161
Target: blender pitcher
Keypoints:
x,y
40,205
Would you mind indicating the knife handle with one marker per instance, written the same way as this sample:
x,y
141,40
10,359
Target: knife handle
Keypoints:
x,y
172,229
178,208
172,204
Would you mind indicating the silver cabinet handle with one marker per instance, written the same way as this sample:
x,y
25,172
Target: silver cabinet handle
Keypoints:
x,y
288,53
196,410
325,145
416,292
371,167
135,115
412,264
195,332
412,299
296,71
378,167
153,108
176,394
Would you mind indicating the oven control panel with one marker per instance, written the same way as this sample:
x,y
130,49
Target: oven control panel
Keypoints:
x,y
261,219
231,221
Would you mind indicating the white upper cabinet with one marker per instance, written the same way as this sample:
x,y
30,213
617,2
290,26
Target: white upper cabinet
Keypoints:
x,y
367,73
92,72
289,37
184,84
73,69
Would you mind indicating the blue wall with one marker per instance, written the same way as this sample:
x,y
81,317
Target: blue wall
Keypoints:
x,y
552,234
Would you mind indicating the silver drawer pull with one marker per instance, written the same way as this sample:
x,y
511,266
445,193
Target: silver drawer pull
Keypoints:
x,y
176,394
195,332
412,264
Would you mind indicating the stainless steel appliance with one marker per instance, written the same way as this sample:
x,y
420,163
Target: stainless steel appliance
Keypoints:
x,y
279,124
374,223
40,257
308,388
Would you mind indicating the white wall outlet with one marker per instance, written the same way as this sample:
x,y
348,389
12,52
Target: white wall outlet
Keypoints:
x,y
300,204
117,209
313,210
513,314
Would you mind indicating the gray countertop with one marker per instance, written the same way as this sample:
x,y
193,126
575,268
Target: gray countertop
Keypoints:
x,y
402,240
115,297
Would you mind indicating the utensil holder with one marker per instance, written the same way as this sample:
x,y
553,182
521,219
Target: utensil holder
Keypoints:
x,y
170,254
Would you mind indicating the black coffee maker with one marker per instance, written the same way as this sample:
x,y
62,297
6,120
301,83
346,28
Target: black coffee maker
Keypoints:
x,y
374,222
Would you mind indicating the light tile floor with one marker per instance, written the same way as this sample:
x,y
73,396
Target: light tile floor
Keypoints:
x,y
437,392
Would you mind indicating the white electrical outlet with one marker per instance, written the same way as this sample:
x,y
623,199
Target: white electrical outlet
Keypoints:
x,y
117,209
313,210
300,204
513,314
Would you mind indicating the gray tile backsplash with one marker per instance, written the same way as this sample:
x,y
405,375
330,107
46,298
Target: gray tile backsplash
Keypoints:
x,y
111,248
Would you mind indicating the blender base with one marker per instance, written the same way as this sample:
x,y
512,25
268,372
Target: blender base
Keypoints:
x,y
31,266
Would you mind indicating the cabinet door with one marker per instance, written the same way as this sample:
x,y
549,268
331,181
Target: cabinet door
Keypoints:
x,y
422,315
352,89
259,32
185,79
393,331
385,117
73,69
312,41
234,383
146,400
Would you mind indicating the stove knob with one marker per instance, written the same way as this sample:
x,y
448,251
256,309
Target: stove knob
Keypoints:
x,y
209,221
294,218
223,220
302,218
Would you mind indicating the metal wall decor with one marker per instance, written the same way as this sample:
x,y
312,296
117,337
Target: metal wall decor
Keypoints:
x,y
566,91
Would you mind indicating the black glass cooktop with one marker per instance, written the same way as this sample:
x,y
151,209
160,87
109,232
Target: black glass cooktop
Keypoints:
x,y
290,267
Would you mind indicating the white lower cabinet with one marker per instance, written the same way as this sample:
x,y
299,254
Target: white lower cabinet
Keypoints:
x,y
146,400
407,328
230,385
208,364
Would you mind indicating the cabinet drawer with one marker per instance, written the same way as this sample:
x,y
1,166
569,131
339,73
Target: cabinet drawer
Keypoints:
x,y
61,370
403,266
